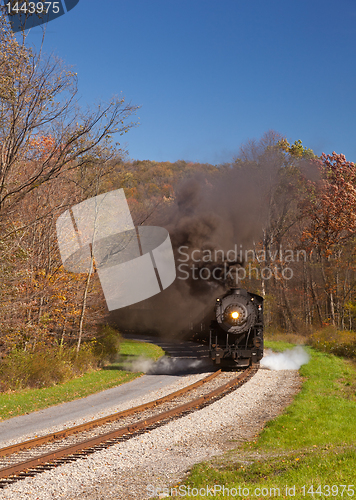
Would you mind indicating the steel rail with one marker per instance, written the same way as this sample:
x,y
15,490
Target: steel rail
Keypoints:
x,y
54,436
83,448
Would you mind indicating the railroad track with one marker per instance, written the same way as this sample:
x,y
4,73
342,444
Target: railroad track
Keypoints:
x,y
43,453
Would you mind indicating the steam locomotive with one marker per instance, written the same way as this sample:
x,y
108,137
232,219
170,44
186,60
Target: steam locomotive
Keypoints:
x,y
234,329
236,333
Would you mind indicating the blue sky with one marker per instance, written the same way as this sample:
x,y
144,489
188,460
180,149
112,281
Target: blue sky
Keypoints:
x,y
210,75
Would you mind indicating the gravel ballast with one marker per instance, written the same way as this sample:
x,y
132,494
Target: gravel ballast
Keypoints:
x,y
133,469
91,415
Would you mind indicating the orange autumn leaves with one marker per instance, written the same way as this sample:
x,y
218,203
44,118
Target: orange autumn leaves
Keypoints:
x,y
330,205
41,147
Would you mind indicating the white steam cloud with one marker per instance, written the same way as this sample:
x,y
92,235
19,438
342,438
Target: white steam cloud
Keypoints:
x,y
164,366
291,359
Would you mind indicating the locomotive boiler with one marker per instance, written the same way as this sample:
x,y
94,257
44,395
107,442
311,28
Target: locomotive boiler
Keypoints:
x,y
236,333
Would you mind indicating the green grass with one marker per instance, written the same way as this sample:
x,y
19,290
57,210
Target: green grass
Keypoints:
x,y
28,400
278,345
137,348
132,349
312,443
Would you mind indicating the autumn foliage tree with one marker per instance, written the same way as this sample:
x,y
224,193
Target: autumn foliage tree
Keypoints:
x,y
38,101
52,155
331,205
330,229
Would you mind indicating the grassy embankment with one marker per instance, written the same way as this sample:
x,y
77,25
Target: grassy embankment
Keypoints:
x,y
29,400
312,444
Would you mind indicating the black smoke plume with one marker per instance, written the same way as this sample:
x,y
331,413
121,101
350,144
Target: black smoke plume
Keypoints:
x,y
216,212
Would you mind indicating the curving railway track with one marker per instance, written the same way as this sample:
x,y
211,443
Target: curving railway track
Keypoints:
x,y
36,455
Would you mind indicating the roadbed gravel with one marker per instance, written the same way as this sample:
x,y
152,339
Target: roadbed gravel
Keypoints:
x,y
40,423
132,470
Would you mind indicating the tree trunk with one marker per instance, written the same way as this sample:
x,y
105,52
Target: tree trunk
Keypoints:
x,y
84,303
288,309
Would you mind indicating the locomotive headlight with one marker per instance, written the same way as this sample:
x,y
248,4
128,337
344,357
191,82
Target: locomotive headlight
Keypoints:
x,y
235,315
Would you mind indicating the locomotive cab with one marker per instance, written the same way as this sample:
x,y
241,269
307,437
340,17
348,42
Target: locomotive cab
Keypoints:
x,y
236,333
